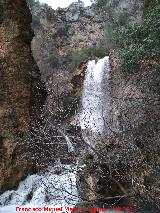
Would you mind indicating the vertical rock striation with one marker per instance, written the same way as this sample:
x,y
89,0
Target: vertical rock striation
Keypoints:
x,y
21,91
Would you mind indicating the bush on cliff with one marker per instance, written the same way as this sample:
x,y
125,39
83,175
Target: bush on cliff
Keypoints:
x,y
142,42
88,53
135,43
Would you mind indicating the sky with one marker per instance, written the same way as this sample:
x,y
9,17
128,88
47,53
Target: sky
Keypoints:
x,y
62,3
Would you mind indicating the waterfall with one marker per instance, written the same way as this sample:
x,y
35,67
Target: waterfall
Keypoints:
x,y
57,186
94,96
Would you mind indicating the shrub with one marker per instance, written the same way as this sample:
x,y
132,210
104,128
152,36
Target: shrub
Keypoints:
x,y
123,18
141,41
78,57
88,53
114,19
100,5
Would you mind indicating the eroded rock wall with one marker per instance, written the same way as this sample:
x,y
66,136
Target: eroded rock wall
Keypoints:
x,y
135,117
59,35
21,92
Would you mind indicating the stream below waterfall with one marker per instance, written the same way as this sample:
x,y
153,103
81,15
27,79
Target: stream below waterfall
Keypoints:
x,y
57,187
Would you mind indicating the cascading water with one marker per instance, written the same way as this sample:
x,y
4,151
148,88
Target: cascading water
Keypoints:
x,y
68,142
58,186
92,117
54,188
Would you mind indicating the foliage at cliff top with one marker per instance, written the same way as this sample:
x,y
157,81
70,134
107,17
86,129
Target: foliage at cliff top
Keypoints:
x,y
141,43
88,53
134,43
100,5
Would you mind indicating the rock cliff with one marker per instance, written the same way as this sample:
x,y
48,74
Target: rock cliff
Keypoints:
x,y
21,91
129,150
61,36
135,117
63,39
68,36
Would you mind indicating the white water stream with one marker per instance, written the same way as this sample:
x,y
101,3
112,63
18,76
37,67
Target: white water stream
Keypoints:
x,y
93,93
92,117
54,188
68,142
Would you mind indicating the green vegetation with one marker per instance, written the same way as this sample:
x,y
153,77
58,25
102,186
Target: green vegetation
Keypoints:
x,y
148,4
134,43
88,53
100,5
141,43
115,20
123,18
107,7
108,30
78,57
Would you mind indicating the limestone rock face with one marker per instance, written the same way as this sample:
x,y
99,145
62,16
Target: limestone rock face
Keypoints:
x,y
135,117
78,78
70,29
20,91
59,34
